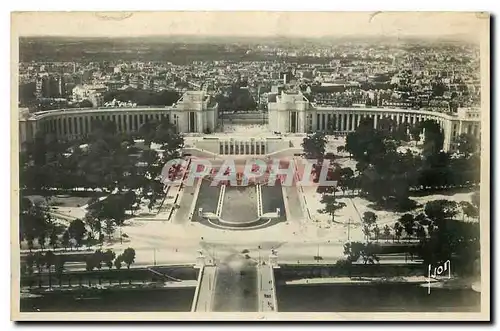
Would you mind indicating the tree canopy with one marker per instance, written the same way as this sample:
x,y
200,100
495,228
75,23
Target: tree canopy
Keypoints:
x,y
314,146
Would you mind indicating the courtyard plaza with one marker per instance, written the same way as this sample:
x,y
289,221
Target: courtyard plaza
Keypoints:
x,y
306,233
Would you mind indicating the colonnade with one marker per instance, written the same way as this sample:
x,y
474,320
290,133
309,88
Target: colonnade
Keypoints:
x,y
78,124
235,147
347,122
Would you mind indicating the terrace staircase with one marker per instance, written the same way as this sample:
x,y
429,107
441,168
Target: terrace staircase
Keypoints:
x,y
221,200
259,200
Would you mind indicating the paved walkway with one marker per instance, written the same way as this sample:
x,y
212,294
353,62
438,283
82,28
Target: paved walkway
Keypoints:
x,y
182,215
294,206
206,291
266,289
170,201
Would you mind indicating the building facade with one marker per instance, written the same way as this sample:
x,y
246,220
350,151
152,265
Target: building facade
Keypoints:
x,y
197,112
242,145
293,113
194,112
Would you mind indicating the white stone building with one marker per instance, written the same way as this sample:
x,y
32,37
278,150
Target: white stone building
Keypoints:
x,y
293,113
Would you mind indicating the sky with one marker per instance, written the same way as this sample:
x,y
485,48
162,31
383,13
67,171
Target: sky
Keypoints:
x,y
259,24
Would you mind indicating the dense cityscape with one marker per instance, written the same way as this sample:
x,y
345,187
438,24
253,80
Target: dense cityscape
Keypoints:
x,y
105,225
412,75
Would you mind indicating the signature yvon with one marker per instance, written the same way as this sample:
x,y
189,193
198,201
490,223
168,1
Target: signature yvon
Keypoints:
x,y
438,271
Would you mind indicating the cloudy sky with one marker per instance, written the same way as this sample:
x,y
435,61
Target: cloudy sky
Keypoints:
x,y
306,24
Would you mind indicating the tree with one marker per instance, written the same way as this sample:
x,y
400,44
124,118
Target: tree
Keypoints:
x,y
108,257
440,210
34,221
118,262
459,240
387,231
331,205
39,261
41,239
438,88
50,260
85,104
128,256
368,254
369,218
98,258
65,239
467,144
151,160
170,140
345,176
398,230
401,133
475,199
420,232
355,250
109,228
365,143
422,219
376,232
367,231
431,227
94,261
436,171
92,218
59,267
53,239
30,260
90,262
408,223
468,209
147,132
433,137
415,132
314,146
129,199
77,230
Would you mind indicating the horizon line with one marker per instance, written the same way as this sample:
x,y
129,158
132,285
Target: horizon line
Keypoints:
x,y
276,36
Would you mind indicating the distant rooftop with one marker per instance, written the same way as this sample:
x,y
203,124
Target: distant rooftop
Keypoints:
x,y
194,96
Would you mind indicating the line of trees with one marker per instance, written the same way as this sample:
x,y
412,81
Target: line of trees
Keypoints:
x,y
237,98
386,176
441,236
109,259
40,262
105,159
143,97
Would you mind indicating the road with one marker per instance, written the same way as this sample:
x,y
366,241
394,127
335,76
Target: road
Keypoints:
x,y
236,285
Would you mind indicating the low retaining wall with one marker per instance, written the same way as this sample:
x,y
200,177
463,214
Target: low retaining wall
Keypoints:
x,y
197,291
292,272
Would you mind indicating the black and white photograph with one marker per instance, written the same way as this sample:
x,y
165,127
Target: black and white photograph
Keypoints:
x,y
250,166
